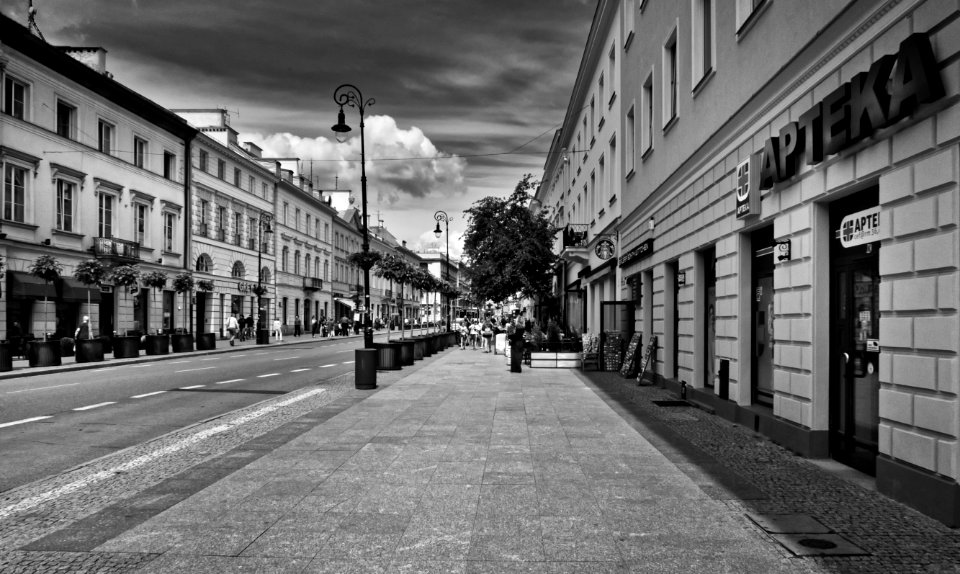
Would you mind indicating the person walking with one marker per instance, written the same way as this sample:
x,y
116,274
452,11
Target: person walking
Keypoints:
x,y
277,330
314,326
83,331
233,326
464,333
487,334
296,325
474,334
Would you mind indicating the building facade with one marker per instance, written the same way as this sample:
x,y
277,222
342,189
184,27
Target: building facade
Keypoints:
x,y
90,170
232,198
789,224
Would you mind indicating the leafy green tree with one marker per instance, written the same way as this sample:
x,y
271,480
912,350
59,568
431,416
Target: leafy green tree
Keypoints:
x,y
510,247
397,270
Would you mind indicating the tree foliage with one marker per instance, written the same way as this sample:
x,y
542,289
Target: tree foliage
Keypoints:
x,y
509,246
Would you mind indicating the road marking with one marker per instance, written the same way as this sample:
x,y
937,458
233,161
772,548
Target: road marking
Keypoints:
x,y
188,388
325,366
285,358
104,369
299,370
268,375
147,394
34,501
240,355
213,359
96,406
142,366
347,351
230,381
41,388
178,362
22,421
191,370
348,362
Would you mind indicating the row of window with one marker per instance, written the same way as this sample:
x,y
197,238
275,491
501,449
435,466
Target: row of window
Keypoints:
x,y
203,164
309,221
16,101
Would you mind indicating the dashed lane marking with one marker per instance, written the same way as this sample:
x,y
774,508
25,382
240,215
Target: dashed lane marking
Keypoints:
x,y
96,406
191,370
147,395
211,359
325,366
230,381
145,365
299,370
286,358
22,421
348,362
178,362
34,501
267,375
191,387
41,388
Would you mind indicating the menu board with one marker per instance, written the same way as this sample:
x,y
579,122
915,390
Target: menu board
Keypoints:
x,y
629,366
646,358
612,350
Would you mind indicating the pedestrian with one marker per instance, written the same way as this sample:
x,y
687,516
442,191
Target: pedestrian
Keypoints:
x,y
249,327
515,336
474,333
314,326
487,334
464,333
296,325
242,328
277,330
83,331
232,327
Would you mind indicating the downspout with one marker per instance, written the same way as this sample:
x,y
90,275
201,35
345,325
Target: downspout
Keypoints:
x,y
188,215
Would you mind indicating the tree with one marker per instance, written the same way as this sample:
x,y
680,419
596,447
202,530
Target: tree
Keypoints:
x,y
125,277
46,267
90,272
397,270
510,247
183,284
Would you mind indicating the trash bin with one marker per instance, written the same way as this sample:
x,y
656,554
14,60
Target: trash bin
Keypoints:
x,y
388,356
366,371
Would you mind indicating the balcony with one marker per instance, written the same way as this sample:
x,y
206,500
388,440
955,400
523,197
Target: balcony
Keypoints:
x,y
575,243
312,284
115,249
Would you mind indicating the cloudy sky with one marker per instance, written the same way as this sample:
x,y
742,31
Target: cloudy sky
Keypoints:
x,y
460,85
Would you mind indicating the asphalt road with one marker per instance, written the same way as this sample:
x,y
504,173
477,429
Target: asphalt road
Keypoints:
x,y
63,420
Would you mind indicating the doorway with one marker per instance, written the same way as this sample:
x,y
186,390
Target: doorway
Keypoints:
x,y
854,342
761,314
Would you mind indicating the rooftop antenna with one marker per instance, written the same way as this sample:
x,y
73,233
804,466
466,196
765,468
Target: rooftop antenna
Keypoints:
x,y
32,21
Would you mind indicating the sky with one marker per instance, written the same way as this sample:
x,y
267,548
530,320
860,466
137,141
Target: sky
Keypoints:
x,y
468,93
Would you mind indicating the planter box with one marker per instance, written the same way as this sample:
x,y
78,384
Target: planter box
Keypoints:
x,y
206,341
388,356
43,353
126,347
158,344
547,360
181,343
6,356
89,350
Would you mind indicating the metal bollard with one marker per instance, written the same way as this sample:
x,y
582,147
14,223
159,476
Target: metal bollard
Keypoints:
x,y
366,371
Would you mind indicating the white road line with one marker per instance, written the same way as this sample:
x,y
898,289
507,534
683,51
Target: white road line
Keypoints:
x,y
34,501
299,370
348,362
230,381
143,366
285,358
347,351
188,388
325,366
178,362
147,394
212,359
96,406
268,375
240,355
41,388
191,370
104,369
22,421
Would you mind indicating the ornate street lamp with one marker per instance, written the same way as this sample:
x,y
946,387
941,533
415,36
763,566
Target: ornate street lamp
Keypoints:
x,y
349,95
263,229
445,274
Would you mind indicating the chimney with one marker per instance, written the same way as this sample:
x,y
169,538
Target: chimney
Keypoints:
x,y
93,57
253,149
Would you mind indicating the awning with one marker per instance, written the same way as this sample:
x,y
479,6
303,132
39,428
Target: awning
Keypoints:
x,y
25,285
346,302
73,290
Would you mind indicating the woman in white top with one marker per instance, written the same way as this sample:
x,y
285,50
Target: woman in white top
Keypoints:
x,y
277,330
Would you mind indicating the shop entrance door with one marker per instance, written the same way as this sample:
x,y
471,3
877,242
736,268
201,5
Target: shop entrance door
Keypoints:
x,y
616,329
762,317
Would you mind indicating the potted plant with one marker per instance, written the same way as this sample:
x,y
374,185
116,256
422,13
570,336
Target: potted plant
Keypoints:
x,y
90,272
124,277
45,353
156,344
183,284
205,341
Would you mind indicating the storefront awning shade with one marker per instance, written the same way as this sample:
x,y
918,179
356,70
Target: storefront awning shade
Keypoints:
x,y
24,285
346,302
73,290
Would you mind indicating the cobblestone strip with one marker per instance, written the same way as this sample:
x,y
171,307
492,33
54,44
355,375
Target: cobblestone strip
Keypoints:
x,y
898,538
34,510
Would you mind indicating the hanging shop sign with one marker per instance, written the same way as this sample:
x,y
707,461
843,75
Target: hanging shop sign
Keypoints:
x,y
748,192
893,89
244,287
782,250
605,249
645,249
860,228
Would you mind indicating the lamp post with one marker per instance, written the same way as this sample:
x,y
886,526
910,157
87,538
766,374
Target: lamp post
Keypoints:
x,y
263,229
445,274
350,95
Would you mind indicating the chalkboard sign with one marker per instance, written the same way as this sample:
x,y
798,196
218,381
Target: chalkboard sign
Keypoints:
x,y
646,359
629,367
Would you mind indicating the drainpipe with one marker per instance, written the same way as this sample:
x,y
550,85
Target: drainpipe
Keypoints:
x,y
188,216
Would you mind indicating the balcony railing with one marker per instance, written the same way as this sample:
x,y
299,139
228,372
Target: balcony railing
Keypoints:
x,y
109,247
312,283
575,235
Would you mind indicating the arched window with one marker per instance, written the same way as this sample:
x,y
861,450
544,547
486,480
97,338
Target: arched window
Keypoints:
x,y
238,271
285,254
296,262
326,270
265,274
306,265
204,263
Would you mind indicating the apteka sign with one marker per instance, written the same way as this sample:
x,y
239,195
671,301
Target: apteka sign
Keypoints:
x,y
893,88
860,228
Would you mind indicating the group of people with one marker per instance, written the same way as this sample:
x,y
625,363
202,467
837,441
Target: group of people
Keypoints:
x,y
480,334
